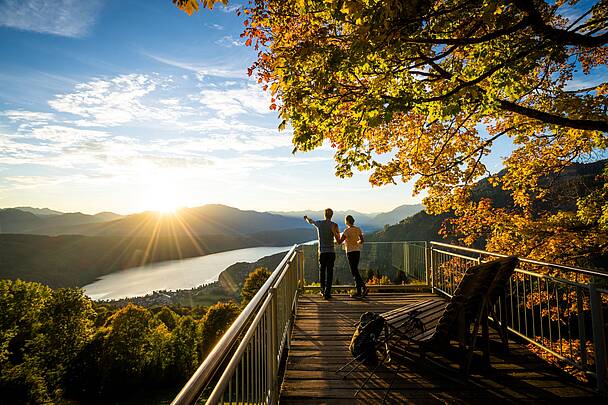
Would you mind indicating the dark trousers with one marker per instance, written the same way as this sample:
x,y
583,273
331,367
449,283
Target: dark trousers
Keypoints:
x,y
353,262
326,271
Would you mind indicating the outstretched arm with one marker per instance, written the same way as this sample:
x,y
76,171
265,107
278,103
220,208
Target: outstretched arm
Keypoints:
x,y
309,220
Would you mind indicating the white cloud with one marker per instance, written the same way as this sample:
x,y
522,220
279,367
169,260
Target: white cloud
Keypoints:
x,y
231,8
28,116
236,101
203,69
228,41
117,101
68,18
238,142
66,135
24,182
215,26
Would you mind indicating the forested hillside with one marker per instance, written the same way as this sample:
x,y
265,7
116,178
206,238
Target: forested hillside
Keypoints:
x,y
563,193
58,346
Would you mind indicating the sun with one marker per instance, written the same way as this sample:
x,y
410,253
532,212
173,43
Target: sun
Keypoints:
x,y
164,200
161,190
165,205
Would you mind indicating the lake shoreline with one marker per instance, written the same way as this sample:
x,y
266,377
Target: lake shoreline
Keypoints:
x,y
174,275
226,288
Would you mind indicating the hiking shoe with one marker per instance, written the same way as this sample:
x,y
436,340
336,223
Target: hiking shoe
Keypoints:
x,y
364,291
327,297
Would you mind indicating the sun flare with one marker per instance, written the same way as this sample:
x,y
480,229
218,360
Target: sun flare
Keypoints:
x,y
165,205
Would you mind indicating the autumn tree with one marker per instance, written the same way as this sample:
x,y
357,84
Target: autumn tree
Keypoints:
x,y
420,90
168,317
215,323
254,281
184,354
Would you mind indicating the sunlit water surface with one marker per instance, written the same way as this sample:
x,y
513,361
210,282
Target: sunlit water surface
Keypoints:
x,y
173,275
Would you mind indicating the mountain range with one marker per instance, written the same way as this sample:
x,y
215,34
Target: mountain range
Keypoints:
x,y
74,249
211,219
367,221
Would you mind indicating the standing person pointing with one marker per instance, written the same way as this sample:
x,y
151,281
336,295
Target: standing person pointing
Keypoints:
x,y
327,233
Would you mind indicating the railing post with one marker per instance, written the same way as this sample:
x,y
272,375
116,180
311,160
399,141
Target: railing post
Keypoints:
x,y
599,337
432,269
582,333
301,267
274,344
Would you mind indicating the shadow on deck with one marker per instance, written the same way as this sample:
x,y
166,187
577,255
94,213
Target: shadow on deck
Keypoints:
x,y
319,346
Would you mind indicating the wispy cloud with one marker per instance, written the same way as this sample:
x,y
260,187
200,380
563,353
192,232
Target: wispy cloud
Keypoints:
x,y
228,41
203,69
68,18
233,101
215,26
231,8
115,101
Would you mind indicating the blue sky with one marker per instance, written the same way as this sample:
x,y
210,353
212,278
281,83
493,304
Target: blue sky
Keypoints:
x,y
133,105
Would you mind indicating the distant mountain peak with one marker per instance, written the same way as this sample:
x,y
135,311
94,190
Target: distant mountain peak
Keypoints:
x,y
39,211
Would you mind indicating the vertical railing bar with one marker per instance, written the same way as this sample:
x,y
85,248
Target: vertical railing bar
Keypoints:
x,y
569,309
254,369
549,312
518,306
432,268
599,337
511,296
540,311
559,325
582,333
533,307
523,284
236,385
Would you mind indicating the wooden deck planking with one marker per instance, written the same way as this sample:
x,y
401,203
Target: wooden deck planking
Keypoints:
x,y
319,346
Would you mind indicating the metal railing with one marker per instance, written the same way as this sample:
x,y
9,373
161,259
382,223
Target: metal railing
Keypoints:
x,y
560,310
243,366
397,261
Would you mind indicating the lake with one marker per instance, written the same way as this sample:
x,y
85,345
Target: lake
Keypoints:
x,y
174,274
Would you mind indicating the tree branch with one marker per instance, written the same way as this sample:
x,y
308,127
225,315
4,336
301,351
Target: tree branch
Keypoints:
x,y
591,125
561,36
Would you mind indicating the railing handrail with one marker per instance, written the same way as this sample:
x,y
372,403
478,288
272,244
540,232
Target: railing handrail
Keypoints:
x,y
192,390
580,270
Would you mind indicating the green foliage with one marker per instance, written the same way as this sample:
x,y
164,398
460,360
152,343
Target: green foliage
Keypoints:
x,y
168,317
185,351
214,324
254,281
57,345
128,343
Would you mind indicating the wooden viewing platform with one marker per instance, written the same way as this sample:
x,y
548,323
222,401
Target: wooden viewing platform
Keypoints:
x,y
319,346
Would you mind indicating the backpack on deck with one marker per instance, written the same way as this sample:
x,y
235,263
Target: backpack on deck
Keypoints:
x,y
366,336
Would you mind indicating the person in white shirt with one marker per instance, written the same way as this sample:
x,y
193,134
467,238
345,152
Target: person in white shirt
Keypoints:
x,y
353,241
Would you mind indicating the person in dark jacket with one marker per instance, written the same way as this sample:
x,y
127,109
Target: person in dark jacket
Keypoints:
x,y
327,233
